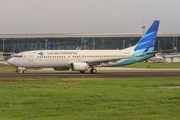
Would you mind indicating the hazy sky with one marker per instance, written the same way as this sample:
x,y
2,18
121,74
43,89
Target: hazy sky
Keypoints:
x,y
87,16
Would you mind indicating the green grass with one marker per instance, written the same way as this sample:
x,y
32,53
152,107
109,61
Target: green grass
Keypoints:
x,y
89,99
153,65
6,68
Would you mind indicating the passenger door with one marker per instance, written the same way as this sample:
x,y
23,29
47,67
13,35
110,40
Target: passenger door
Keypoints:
x,y
31,57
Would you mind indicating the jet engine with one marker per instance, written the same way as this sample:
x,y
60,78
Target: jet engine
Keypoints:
x,y
79,66
62,68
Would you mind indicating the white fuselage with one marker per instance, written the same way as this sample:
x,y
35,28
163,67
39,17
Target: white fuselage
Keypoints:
x,y
63,58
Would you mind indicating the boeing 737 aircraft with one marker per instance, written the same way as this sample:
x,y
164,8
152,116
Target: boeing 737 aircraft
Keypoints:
x,y
83,60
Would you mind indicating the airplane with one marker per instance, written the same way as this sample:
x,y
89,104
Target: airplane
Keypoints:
x,y
83,60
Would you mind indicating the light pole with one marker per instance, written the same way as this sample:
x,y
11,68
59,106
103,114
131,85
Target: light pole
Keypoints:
x,y
46,43
176,43
158,44
84,43
3,45
123,43
13,48
143,27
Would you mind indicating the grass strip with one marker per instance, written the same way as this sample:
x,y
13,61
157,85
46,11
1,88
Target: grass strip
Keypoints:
x,y
87,99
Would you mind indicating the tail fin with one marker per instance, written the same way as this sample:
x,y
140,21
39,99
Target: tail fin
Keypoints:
x,y
49,48
148,40
77,48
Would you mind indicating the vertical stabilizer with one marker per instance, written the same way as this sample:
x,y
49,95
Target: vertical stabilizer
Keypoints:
x,y
148,40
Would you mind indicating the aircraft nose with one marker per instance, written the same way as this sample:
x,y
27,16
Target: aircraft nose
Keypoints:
x,y
10,61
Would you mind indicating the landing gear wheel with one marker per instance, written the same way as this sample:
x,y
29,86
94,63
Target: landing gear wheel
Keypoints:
x,y
82,71
93,71
24,71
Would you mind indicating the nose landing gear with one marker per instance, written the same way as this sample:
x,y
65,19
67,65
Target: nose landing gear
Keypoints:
x,y
20,70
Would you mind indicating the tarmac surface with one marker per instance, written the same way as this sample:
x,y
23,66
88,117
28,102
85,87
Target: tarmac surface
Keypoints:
x,y
89,75
110,72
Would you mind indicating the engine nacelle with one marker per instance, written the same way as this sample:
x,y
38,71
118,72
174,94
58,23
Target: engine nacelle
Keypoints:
x,y
79,66
62,68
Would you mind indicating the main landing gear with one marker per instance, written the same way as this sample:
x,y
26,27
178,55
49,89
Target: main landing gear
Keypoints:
x,y
93,70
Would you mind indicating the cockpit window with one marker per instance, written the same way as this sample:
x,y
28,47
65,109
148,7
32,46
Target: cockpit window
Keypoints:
x,y
18,55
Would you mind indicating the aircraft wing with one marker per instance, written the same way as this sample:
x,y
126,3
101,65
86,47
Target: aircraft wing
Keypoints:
x,y
106,61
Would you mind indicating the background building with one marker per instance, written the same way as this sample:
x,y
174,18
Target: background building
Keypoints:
x,y
70,41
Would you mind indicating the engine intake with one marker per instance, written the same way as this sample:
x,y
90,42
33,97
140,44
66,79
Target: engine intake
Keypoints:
x,y
79,66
